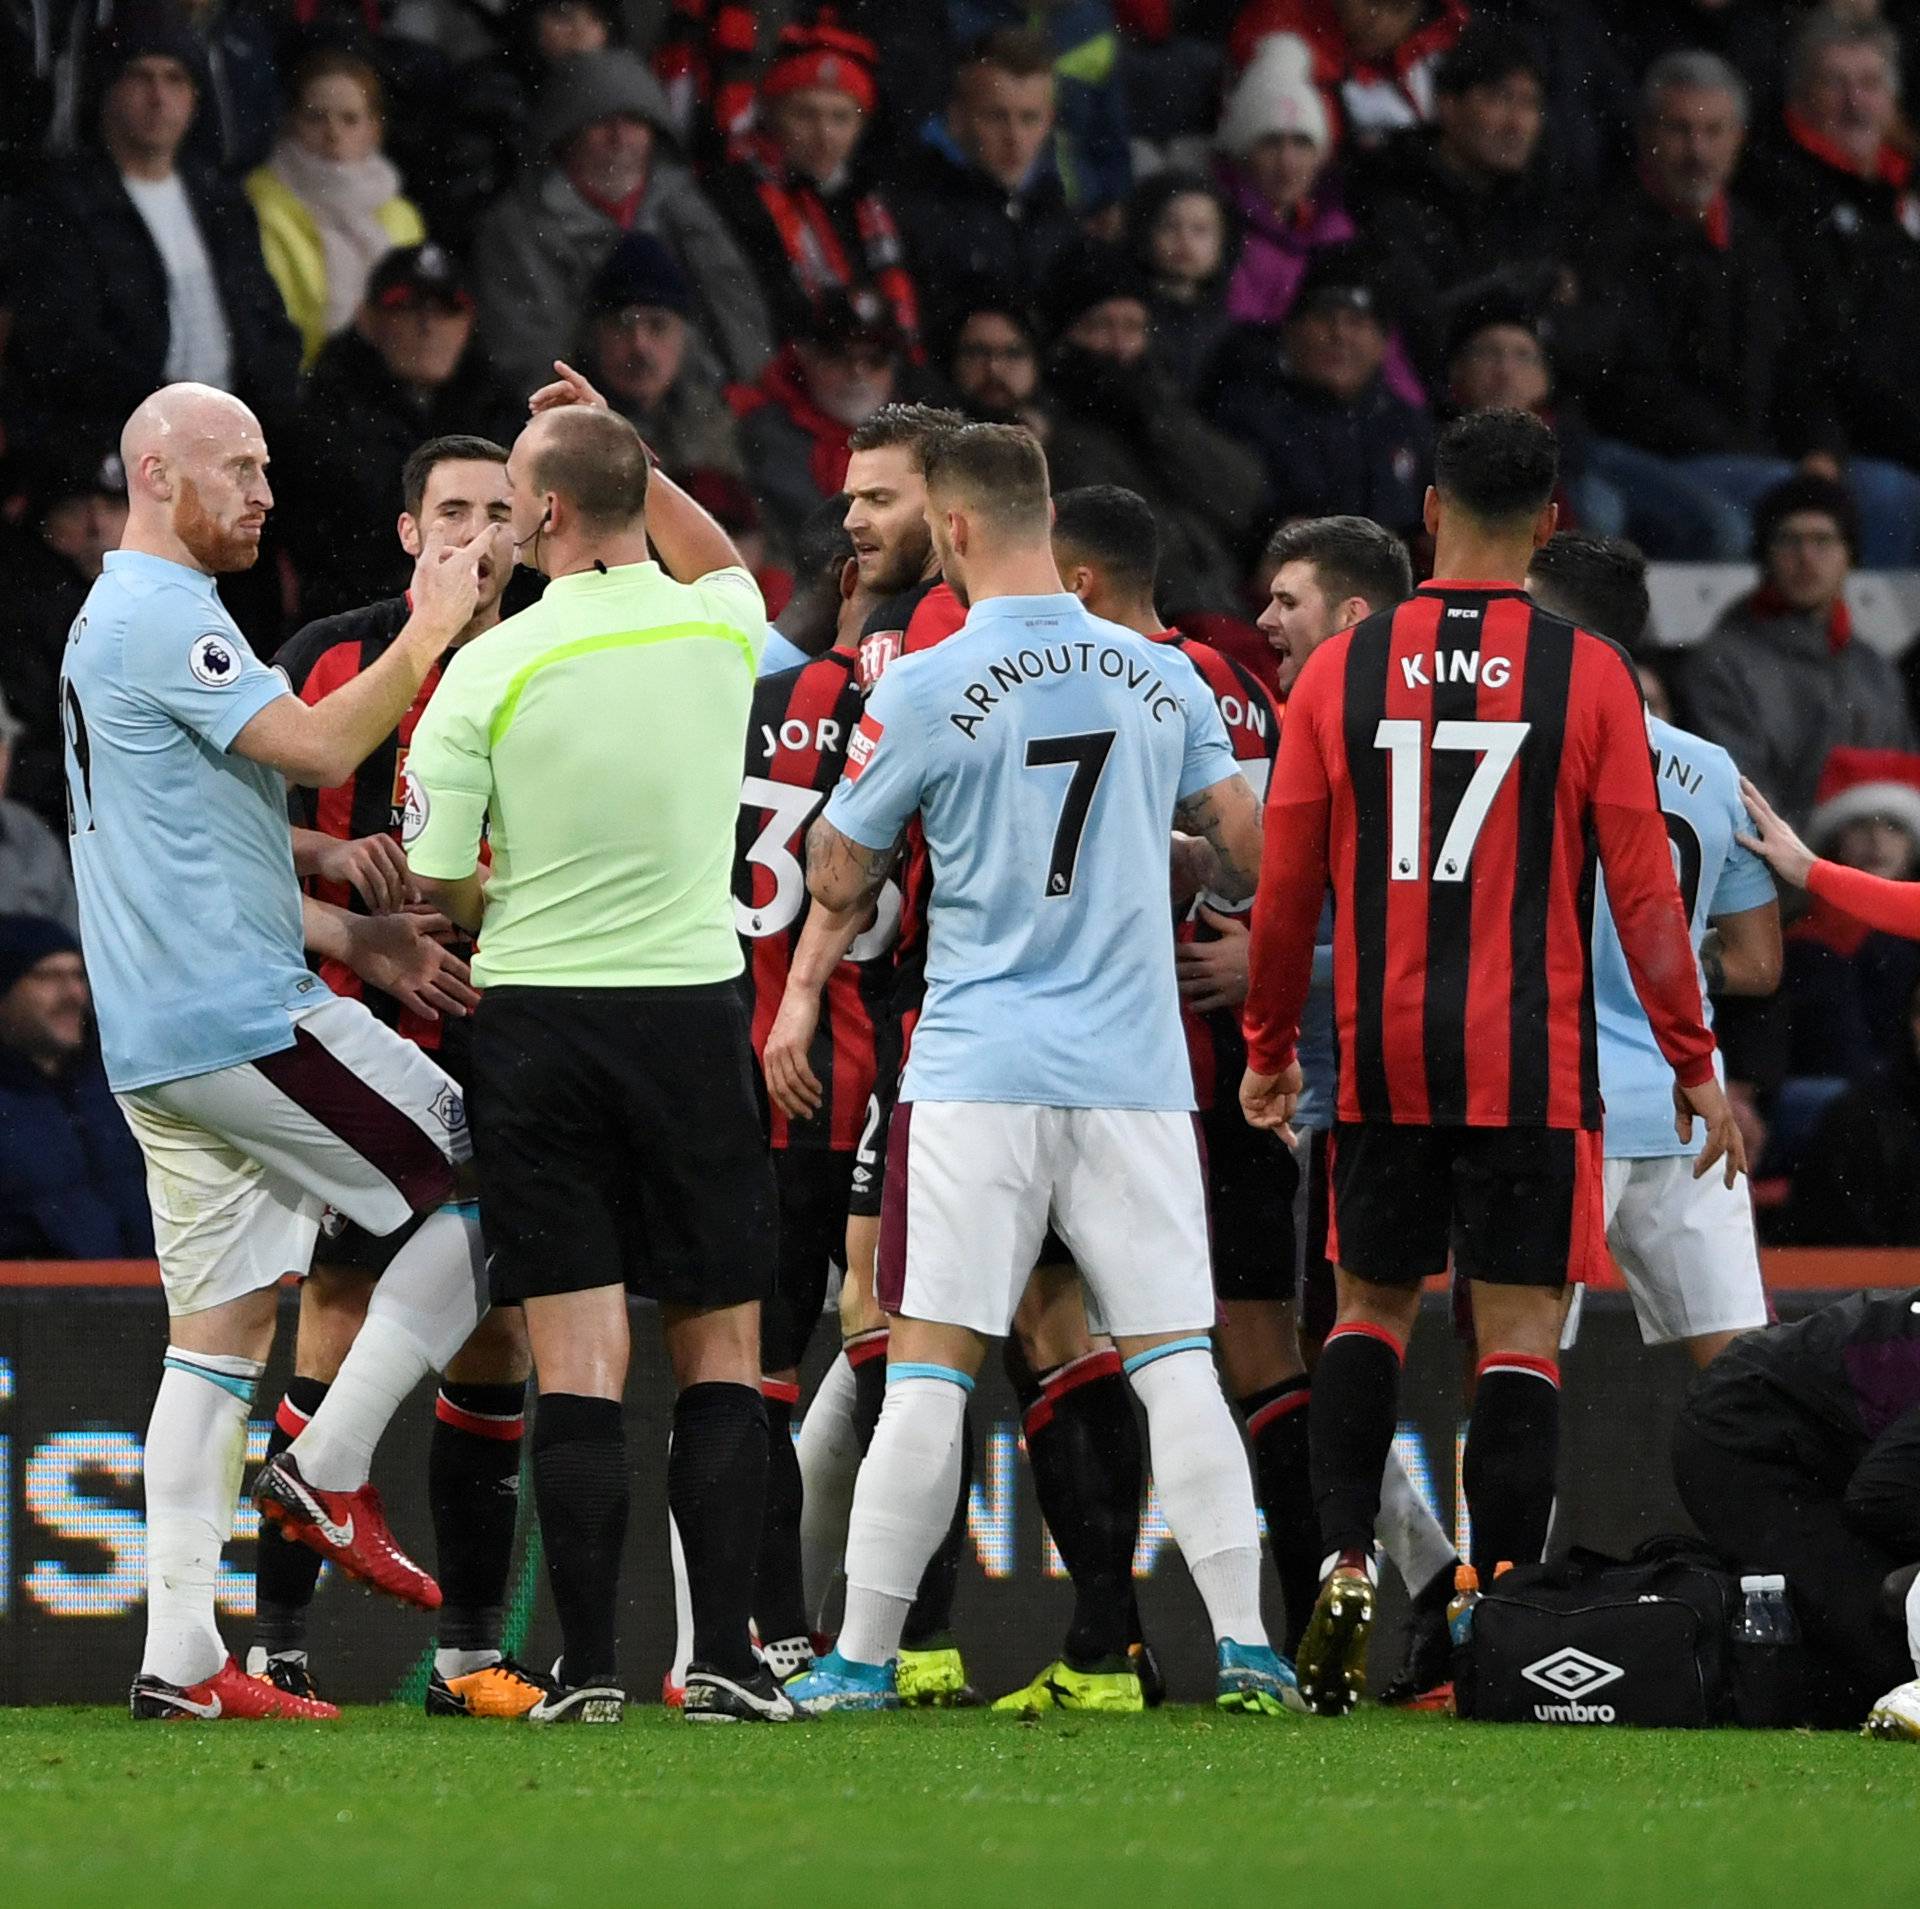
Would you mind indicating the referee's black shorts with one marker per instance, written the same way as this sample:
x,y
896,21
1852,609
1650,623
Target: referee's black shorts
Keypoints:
x,y
618,1143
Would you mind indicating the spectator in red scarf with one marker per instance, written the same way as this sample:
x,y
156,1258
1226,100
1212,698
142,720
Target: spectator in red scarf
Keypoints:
x,y
1782,680
794,422
1373,60
810,220
1846,204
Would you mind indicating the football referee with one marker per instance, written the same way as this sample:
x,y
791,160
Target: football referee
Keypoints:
x,y
597,738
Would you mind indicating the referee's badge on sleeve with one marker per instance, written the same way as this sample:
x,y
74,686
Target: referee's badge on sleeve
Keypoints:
x,y
861,745
414,806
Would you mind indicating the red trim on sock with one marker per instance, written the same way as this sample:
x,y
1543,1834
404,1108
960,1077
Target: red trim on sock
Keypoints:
x,y
290,1418
1277,1409
1038,1416
505,1426
1367,1329
1548,1369
1103,1363
781,1391
866,1345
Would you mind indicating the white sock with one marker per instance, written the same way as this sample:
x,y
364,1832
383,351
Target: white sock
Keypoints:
x,y
902,1505
829,1463
423,1310
1913,1623
196,1448
463,1663
682,1603
1205,1489
1414,1538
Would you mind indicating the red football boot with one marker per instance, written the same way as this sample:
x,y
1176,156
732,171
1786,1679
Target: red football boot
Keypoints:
x,y
346,1527
229,1694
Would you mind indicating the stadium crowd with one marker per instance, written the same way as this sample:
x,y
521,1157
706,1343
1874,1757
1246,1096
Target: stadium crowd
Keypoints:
x,y
1236,267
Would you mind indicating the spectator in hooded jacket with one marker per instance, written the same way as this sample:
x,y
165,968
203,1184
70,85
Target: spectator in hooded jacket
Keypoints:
x,y
992,360
641,352
71,1181
1373,60
328,198
795,194
138,266
1116,418
1180,232
604,162
1711,387
407,369
1845,200
34,876
978,196
1783,680
1312,397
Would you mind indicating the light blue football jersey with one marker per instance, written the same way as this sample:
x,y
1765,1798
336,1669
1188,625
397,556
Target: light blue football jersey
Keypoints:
x,y
189,911
1700,797
1044,750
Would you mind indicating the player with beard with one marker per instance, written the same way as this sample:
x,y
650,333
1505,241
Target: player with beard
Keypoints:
x,y
454,488
893,551
258,1097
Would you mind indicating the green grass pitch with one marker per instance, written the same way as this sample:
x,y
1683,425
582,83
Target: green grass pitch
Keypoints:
x,y
1179,1807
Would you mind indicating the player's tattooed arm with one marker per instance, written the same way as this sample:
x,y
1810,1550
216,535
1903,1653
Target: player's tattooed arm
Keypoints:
x,y
1226,816
843,873
1742,953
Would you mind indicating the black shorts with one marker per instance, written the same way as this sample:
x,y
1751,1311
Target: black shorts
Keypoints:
x,y
618,1143
813,1185
1251,1181
1517,1206
1319,1303
870,1155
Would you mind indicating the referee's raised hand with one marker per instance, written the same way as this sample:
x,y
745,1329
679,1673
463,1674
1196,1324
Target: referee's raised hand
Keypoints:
x,y
568,388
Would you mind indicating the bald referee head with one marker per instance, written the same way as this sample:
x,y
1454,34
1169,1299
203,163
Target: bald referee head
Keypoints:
x,y
579,479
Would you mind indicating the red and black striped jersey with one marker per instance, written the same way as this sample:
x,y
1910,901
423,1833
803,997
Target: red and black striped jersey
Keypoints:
x,y
317,661
914,620
1215,1044
796,748
1456,767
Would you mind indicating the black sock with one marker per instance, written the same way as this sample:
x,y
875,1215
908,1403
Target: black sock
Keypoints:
x,y
867,1355
285,1571
930,1617
1083,1443
473,1489
1513,1452
580,1489
716,1490
1356,1405
779,1598
1278,1422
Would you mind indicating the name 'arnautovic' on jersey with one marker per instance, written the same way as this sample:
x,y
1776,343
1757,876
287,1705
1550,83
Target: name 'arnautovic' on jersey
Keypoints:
x,y
1045,751
182,853
1699,790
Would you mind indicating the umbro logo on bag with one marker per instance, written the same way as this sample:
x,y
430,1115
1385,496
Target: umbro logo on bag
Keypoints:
x,y
1572,1675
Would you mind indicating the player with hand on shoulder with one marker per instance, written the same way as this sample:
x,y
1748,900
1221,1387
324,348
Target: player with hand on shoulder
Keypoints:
x,y
1047,1081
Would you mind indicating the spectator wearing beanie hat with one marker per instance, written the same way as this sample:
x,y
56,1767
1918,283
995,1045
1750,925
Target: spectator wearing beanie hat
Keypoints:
x,y
604,160
136,265
796,196
640,350
71,1181
1373,60
1118,419
1782,681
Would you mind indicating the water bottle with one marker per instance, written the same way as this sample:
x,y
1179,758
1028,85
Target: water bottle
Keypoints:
x,y
1785,1629
1466,1594
1757,1621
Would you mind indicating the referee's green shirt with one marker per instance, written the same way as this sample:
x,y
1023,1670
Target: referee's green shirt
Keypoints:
x,y
597,737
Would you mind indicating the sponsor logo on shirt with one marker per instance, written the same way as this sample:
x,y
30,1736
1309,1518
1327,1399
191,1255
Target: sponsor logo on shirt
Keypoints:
x,y
214,661
415,807
861,745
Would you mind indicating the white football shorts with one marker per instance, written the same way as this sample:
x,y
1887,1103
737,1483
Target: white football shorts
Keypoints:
x,y
1686,1247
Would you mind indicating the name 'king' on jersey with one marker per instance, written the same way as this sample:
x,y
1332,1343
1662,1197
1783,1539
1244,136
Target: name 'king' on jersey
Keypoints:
x,y
1460,768
796,747
1050,960
1699,789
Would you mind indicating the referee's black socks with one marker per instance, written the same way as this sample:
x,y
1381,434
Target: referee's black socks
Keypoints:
x,y
580,1488
716,1490
779,1595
